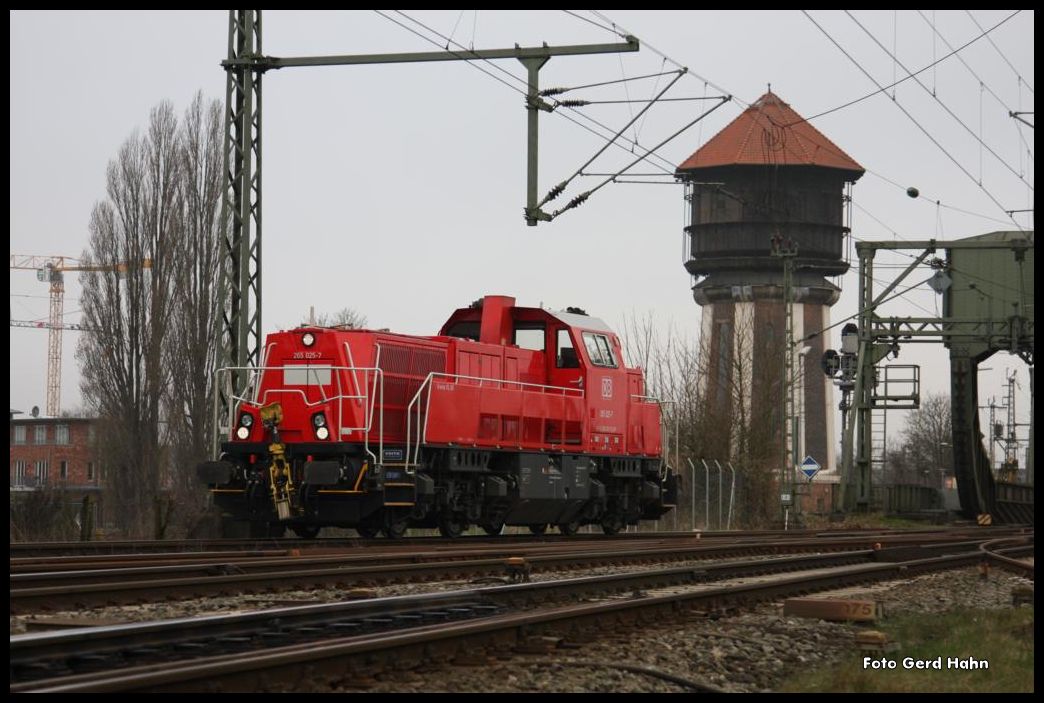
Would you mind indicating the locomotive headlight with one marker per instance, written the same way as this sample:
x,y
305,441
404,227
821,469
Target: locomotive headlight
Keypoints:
x,y
243,432
319,423
308,339
246,420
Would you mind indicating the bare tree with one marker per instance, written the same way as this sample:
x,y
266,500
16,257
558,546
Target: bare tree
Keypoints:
x,y
345,318
191,346
899,469
725,407
673,370
927,439
128,303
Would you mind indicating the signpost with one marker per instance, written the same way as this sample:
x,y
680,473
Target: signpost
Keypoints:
x,y
810,467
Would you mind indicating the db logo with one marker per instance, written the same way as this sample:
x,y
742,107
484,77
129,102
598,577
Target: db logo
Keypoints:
x,y
607,387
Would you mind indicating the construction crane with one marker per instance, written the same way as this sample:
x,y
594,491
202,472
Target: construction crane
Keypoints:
x,y
40,325
51,270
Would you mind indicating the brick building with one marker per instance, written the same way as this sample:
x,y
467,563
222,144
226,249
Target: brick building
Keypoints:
x,y
55,452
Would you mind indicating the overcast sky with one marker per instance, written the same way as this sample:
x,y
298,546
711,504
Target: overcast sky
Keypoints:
x,y
398,190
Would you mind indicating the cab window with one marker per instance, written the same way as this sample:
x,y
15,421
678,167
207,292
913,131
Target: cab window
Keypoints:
x,y
466,329
530,335
598,350
565,354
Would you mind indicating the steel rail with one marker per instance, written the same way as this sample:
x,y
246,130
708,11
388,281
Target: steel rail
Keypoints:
x,y
34,648
29,549
991,552
67,589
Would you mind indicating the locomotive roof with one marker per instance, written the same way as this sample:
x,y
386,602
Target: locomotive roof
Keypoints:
x,y
585,321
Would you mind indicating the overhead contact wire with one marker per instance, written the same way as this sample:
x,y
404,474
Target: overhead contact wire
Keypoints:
x,y
945,107
581,198
953,52
1016,71
557,190
670,168
622,32
916,123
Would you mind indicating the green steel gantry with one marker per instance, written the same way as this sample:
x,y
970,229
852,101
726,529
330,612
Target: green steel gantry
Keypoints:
x,y
985,267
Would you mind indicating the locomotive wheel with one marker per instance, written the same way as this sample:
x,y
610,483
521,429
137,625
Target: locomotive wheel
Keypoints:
x,y
367,531
493,529
569,528
612,525
451,527
306,531
394,529
538,529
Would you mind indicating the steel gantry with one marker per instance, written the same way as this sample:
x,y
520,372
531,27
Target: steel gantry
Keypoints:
x,y
975,324
240,272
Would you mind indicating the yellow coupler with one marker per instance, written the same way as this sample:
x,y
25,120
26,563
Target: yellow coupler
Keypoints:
x,y
281,490
280,479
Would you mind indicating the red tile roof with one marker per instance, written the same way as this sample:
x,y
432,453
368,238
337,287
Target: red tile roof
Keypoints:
x,y
769,132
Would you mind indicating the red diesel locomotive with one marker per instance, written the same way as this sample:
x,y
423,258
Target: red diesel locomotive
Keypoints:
x,y
509,416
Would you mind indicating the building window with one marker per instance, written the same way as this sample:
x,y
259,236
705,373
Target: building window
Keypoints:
x,y
90,470
19,477
41,472
63,470
19,434
61,434
40,434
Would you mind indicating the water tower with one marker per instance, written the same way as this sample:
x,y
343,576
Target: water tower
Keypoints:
x,y
768,175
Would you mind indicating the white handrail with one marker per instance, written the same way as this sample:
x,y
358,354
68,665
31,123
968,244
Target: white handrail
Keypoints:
x,y
251,397
351,362
369,415
409,421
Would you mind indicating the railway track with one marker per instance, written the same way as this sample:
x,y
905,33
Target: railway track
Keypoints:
x,y
313,652
994,552
90,646
32,591
19,550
